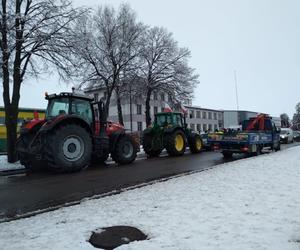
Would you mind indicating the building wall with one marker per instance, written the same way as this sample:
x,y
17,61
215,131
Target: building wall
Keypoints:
x,y
233,118
202,120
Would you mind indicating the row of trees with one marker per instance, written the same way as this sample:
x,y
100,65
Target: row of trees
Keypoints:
x,y
105,48
295,122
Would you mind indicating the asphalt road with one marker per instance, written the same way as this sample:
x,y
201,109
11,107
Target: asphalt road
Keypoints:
x,y
25,193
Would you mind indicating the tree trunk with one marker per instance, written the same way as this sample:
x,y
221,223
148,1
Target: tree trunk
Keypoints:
x,y
148,114
119,106
11,117
107,102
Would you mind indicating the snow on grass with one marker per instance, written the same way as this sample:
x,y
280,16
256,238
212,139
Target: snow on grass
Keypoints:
x,y
4,165
248,204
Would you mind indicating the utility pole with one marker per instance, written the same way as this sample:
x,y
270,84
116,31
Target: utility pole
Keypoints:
x,y
236,91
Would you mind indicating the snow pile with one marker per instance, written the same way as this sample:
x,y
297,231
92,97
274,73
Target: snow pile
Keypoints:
x,y
4,165
248,204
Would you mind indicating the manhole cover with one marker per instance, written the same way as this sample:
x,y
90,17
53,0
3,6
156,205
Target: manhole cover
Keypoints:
x,y
112,237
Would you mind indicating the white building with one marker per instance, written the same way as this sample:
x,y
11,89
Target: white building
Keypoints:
x,y
133,110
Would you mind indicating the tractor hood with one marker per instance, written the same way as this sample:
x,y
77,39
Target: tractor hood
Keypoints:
x,y
30,124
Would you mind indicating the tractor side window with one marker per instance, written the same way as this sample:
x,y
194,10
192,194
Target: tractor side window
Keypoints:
x,y
82,108
58,107
178,120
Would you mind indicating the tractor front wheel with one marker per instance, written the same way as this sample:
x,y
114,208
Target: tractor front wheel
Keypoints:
x,y
175,143
195,143
25,159
125,150
68,148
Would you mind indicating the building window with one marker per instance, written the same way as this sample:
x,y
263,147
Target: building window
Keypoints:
x,y
210,127
140,126
204,127
198,127
162,96
215,116
155,95
198,114
204,116
96,97
209,116
215,127
220,116
155,110
192,126
192,114
139,109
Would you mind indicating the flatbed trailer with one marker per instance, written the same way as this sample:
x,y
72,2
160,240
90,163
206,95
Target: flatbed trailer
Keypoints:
x,y
257,134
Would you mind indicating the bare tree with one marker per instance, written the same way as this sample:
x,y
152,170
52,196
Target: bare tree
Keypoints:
x,y
32,34
285,120
102,47
165,67
296,117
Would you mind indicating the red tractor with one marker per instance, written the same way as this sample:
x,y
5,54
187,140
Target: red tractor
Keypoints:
x,y
74,132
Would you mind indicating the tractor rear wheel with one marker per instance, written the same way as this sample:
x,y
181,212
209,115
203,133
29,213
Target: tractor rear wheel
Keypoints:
x,y
68,148
175,143
125,150
195,143
149,146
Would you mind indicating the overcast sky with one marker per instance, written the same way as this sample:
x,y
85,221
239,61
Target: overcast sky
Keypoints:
x,y
259,39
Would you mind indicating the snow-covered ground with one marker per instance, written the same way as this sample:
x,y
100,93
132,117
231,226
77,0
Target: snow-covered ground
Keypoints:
x,y
248,204
4,165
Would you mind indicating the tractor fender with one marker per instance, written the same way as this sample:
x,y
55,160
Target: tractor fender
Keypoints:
x,y
63,120
171,130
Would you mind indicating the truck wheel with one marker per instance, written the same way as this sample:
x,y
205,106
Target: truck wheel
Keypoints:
x,y
149,146
278,147
125,150
195,143
68,148
227,155
175,143
258,150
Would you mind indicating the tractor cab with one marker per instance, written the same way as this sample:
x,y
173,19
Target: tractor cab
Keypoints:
x,y
70,104
169,120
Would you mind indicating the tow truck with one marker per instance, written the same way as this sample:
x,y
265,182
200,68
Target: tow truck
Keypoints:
x,y
257,133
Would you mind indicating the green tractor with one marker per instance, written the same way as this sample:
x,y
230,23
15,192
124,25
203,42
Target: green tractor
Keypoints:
x,y
170,131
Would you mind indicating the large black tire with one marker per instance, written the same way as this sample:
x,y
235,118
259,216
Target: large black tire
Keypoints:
x,y
23,143
195,143
68,148
258,150
278,147
227,155
175,143
149,147
125,150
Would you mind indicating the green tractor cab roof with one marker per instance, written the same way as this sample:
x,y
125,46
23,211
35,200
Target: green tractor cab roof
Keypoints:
x,y
168,113
68,95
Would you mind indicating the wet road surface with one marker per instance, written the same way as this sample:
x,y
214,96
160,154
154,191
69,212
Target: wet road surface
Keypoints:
x,y
25,193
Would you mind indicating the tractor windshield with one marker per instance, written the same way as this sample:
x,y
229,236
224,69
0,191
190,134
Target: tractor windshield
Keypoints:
x,y
163,120
58,106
